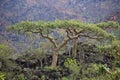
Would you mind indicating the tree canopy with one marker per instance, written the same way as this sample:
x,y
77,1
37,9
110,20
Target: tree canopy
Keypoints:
x,y
47,27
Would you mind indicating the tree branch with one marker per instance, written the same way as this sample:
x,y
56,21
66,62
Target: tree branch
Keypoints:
x,y
91,37
64,42
49,38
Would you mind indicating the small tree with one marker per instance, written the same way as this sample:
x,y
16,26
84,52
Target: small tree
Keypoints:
x,y
94,33
72,29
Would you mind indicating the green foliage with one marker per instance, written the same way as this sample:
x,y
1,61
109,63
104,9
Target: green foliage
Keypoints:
x,y
111,48
103,48
5,51
48,68
72,65
65,78
116,74
70,61
96,68
5,55
29,27
112,75
20,77
117,33
43,77
47,27
109,24
2,76
104,70
10,75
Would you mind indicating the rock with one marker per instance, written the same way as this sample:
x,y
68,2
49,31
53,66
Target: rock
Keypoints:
x,y
34,78
37,72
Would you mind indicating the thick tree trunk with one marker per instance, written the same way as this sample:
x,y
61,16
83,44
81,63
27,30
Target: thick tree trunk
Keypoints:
x,y
54,59
55,54
74,49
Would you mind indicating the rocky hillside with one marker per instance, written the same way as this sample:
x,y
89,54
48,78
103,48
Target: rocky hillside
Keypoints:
x,y
12,11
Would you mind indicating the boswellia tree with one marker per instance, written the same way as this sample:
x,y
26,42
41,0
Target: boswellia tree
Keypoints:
x,y
72,29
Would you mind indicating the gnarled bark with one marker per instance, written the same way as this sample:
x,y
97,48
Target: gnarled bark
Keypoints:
x,y
55,54
54,59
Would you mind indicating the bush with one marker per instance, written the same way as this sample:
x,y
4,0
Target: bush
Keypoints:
x,y
72,65
19,77
5,55
2,76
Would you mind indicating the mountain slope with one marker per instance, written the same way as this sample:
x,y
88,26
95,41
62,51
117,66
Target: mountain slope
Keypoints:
x,y
12,11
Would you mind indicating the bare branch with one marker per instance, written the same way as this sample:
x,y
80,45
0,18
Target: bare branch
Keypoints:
x,y
49,38
68,35
63,43
70,31
76,31
91,37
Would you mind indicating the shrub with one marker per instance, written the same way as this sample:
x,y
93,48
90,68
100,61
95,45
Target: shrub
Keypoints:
x,y
2,76
20,77
72,65
5,55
